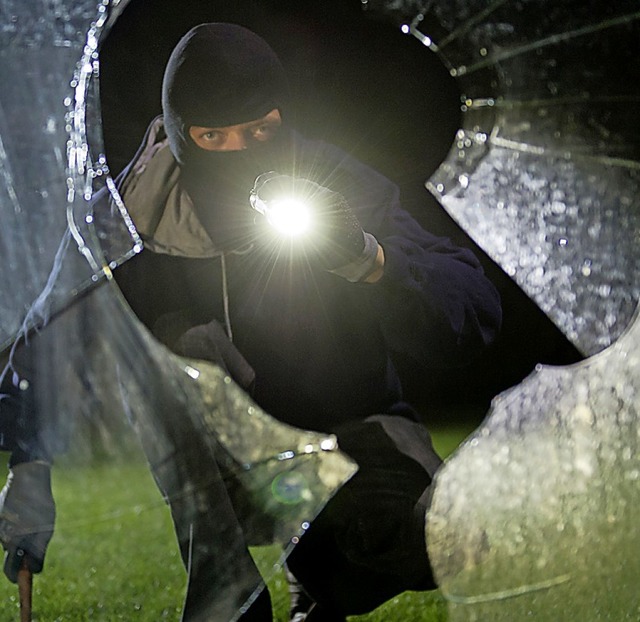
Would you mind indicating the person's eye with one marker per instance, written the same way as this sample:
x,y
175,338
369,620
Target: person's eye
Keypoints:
x,y
264,132
212,138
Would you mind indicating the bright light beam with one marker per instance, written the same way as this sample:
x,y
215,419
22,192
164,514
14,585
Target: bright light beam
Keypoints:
x,y
289,216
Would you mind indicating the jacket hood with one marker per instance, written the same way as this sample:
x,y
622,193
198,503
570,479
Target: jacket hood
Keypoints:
x,y
160,207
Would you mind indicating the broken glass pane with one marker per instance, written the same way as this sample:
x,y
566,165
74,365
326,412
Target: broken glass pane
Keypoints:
x,y
49,239
545,172
536,513
131,427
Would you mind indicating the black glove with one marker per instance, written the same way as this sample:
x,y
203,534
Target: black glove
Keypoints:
x,y
209,342
27,517
335,239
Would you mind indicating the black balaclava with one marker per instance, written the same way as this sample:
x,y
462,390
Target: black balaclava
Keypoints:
x,y
219,75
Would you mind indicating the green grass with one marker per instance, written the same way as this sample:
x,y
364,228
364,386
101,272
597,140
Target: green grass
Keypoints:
x,y
114,554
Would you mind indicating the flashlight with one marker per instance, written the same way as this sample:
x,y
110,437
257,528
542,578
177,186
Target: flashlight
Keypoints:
x,y
284,210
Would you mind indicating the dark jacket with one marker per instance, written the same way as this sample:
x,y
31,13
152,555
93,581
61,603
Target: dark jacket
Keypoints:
x,y
322,348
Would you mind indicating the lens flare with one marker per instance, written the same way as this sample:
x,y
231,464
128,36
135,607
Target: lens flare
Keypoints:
x,y
288,214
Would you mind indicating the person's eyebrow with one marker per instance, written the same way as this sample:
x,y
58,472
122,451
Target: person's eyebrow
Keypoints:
x,y
263,121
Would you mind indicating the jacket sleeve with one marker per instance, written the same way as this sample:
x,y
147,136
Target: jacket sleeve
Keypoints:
x,y
434,303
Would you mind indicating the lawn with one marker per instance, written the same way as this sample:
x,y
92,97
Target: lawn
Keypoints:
x,y
114,555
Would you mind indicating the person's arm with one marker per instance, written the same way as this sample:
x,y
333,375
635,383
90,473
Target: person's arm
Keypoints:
x,y
27,507
27,517
431,297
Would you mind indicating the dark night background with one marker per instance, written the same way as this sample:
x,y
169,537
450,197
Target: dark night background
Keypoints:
x,y
379,94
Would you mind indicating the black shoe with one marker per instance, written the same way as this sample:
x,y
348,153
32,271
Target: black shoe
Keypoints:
x,y
304,608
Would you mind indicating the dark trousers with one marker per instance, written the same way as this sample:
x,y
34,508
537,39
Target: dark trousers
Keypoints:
x,y
365,547
368,544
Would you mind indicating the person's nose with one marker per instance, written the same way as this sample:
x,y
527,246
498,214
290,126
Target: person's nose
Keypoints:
x,y
236,141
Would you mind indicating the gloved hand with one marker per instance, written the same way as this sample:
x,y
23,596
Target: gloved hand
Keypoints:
x,y
209,342
336,238
27,517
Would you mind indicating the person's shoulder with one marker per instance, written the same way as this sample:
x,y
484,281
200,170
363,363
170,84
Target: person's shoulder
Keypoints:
x,y
336,163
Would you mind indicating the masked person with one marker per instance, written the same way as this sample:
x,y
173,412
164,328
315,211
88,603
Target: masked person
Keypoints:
x,y
309,325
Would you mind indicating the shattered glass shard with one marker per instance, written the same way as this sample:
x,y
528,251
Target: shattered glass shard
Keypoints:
x,y
551,483
545,173
51,160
